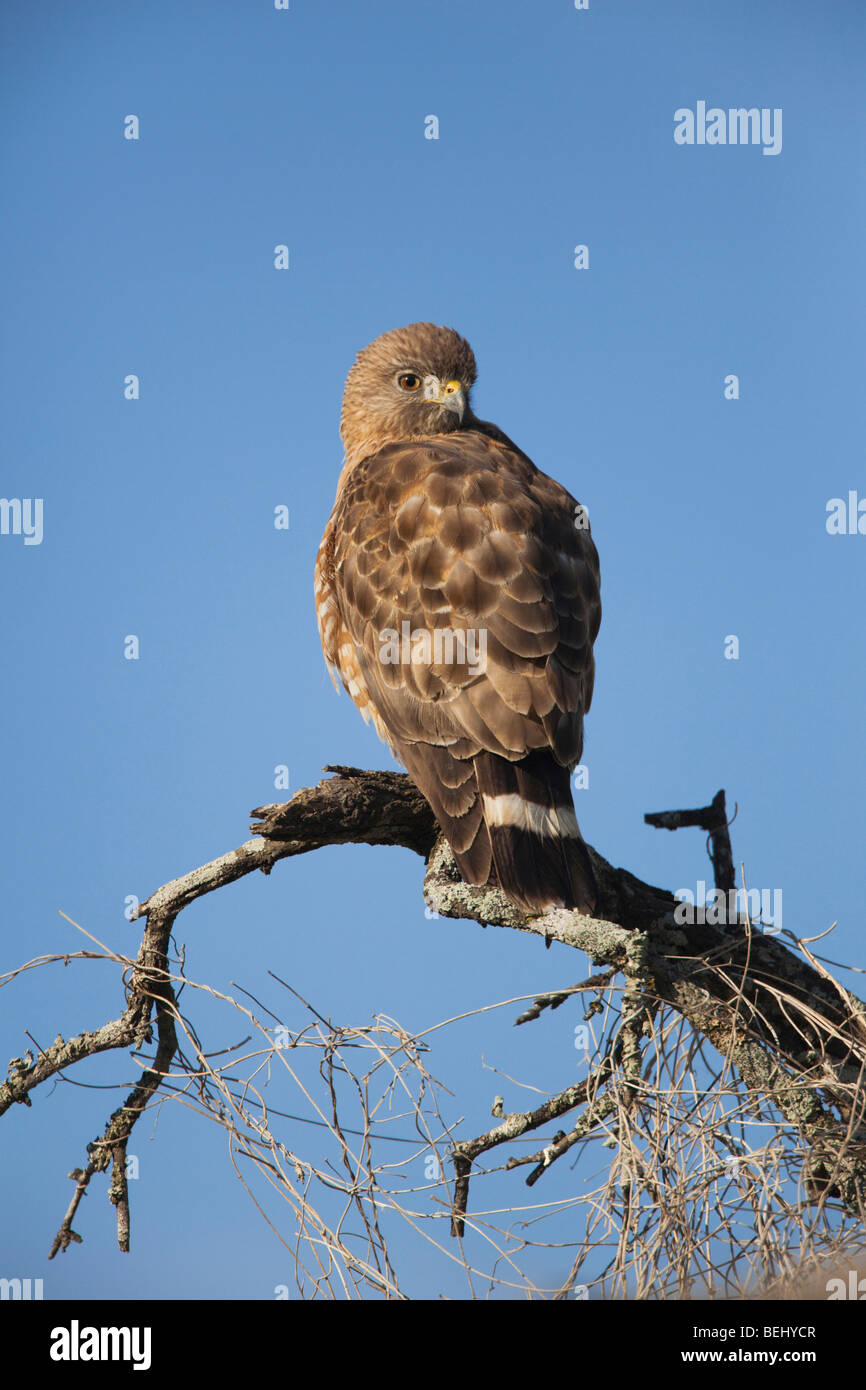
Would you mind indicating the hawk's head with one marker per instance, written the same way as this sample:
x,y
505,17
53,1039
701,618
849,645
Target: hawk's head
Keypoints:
x,y
409,382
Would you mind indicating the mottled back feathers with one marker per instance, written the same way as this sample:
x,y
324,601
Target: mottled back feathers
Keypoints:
x,y
458,601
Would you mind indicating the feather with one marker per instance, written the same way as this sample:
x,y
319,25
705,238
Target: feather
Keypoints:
x,y
445,535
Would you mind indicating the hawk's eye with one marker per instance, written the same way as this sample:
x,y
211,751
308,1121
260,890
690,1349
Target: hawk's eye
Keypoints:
x,y
408,381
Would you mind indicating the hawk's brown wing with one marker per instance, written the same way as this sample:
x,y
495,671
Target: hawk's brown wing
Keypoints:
x,y
460,533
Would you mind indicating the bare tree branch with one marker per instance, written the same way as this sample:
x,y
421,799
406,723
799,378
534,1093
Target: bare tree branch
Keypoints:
x,y
713,819
795,1037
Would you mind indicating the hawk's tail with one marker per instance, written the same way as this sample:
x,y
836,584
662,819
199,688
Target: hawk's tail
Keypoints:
x,y
538,851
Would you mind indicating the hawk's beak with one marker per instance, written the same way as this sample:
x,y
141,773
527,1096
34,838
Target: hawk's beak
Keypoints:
x,y
450,395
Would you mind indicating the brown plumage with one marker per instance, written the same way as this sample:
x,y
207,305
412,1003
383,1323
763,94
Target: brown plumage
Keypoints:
x,y
457,594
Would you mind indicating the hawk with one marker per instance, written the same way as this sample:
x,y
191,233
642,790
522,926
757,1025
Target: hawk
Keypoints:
x,y
457,596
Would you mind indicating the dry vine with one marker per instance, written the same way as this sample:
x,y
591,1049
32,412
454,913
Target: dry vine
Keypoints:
x,y
726,1091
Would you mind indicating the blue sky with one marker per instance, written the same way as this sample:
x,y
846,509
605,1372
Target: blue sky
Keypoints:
x,y
155,257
